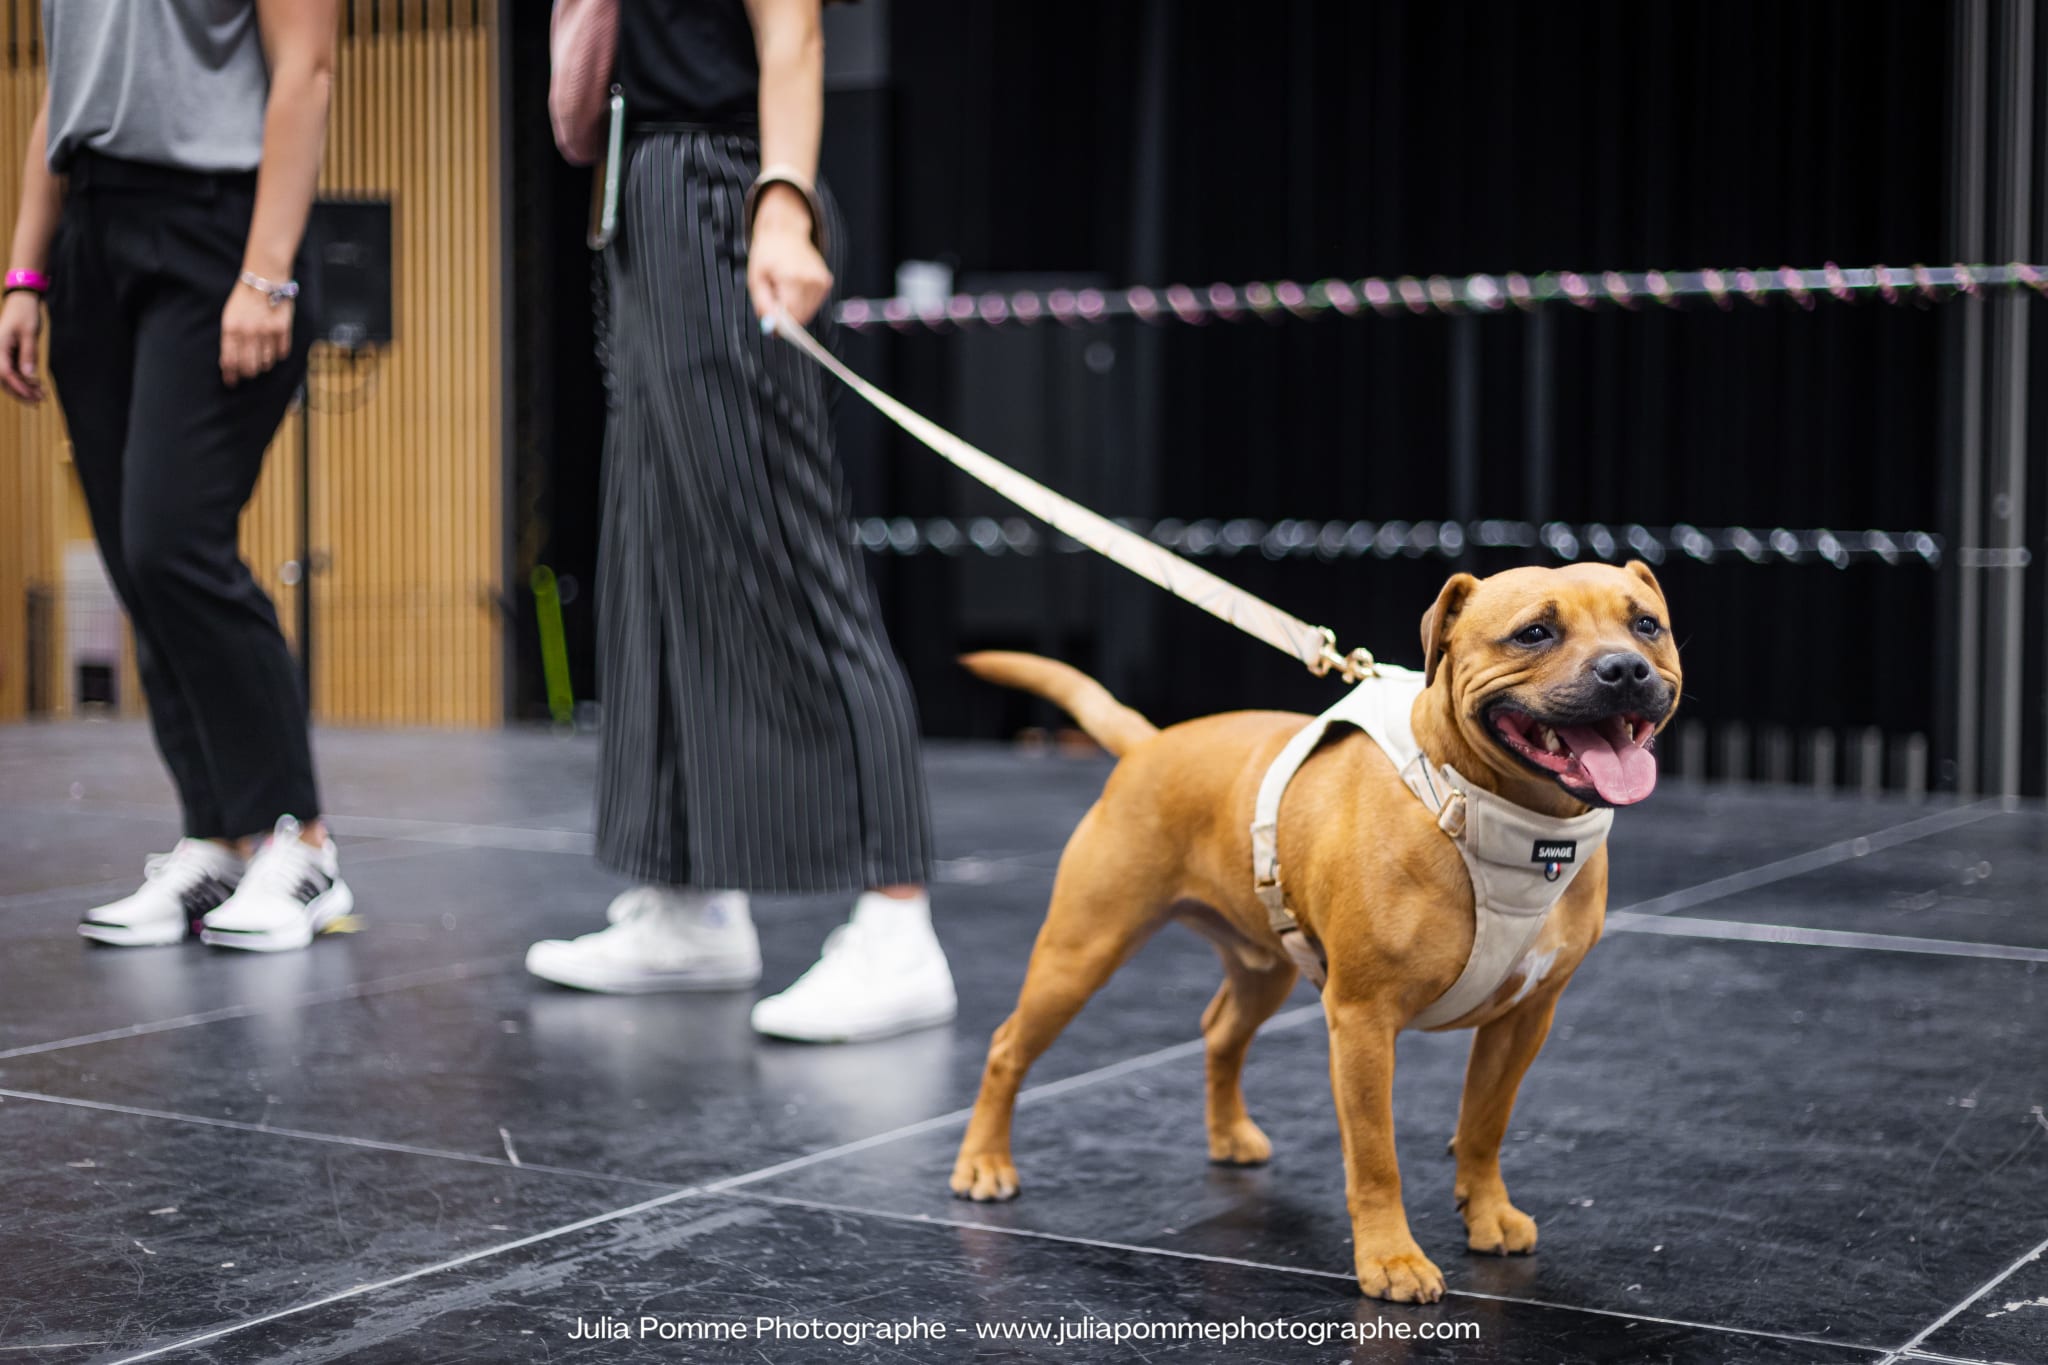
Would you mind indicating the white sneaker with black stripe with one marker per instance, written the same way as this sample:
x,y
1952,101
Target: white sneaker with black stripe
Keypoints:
x,y
292,891
191,880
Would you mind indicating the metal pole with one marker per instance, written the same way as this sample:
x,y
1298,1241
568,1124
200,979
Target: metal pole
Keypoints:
x,y
507,186
2005,531
306,542
1966,226
1538,410
1464,501
1128,638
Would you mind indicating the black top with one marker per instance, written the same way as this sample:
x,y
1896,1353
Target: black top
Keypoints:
x,y
687,61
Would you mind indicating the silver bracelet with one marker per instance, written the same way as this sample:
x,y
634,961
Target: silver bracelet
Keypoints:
x,y
787,175
275,290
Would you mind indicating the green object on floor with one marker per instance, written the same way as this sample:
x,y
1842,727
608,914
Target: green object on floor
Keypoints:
x,y
554,648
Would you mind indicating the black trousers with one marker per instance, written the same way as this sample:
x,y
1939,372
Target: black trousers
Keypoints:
x,y
759,733
167,455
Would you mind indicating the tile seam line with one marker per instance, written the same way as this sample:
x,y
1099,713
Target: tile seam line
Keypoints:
x,y
361,990
1813,860
421,1272
1037,1094
1051,1089
1311,1272
1902,1352
1853,940
334,1139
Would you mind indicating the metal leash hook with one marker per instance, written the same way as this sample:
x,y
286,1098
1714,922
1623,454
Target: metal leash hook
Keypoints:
x,y
1356,666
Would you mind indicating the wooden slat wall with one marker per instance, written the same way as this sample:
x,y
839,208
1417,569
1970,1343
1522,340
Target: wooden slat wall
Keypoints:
x,y
34,479
406,478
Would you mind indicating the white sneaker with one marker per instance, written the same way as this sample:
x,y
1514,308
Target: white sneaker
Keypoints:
x,y
882,973
291,892
180,886
660,939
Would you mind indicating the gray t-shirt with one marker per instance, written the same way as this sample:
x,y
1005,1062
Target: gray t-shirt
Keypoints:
x,y
171,82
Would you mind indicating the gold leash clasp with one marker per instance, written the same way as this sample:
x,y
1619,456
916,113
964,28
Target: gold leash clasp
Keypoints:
x,y
1353,667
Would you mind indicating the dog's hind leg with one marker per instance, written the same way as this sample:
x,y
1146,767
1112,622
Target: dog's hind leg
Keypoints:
x,y
1248,997
1104,906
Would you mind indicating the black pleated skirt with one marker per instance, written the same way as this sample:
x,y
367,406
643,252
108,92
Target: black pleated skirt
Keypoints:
x,y
759,732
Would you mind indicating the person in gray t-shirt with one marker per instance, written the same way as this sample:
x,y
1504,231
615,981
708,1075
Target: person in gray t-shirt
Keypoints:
x,y
198,102
164,198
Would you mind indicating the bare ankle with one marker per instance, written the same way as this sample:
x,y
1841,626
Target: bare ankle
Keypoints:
x,y
313,834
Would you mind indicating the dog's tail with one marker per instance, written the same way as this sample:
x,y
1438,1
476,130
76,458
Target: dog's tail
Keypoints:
x,y
1109,722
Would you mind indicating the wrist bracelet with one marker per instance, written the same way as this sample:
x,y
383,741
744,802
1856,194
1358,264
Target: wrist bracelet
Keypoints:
x,y
33,280
787,175
277,291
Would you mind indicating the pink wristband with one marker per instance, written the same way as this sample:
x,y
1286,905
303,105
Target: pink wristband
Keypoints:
x,y
28,279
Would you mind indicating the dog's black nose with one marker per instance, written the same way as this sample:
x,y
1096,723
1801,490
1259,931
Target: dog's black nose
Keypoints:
x,y
1624,668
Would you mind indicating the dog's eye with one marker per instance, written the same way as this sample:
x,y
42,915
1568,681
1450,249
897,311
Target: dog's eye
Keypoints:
x,y
1648,627
1534,635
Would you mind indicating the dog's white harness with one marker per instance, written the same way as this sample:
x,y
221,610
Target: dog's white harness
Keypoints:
x,y
1520,862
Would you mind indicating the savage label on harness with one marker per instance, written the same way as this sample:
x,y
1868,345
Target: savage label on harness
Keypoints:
x,y
1554,854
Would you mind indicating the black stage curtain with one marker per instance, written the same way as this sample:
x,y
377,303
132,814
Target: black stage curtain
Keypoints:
x,y
1304,140
1135,142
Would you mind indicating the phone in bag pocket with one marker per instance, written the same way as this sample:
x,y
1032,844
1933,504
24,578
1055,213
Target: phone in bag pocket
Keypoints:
x,y
604,187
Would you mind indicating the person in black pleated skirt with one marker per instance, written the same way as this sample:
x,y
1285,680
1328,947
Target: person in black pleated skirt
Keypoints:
x,y
759,733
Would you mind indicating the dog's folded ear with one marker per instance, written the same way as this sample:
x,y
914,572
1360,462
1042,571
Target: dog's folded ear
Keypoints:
x,y
1642,571
1436,622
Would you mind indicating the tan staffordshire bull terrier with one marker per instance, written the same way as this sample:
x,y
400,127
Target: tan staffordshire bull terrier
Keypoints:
x,y
1545,687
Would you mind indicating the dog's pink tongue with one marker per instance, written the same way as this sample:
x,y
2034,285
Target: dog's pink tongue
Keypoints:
x,y
1623,774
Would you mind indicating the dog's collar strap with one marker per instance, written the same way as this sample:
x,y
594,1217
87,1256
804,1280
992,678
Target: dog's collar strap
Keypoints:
x,y
1513,889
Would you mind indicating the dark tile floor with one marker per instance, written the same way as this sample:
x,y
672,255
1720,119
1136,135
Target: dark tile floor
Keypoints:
x,y
1793,1110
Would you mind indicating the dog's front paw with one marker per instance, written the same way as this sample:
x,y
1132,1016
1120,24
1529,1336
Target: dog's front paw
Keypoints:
x,y
1403,1275
985,1177
1240,1145
1499,1229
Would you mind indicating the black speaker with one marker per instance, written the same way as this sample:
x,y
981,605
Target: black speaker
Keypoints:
x,y
348,269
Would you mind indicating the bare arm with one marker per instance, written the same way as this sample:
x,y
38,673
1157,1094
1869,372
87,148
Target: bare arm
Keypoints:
x,y
42,199
299,39
21,320
784,269
789,43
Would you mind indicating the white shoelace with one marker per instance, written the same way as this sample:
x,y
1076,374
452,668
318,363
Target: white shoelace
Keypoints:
x,y
184,859
283,865
630,917
848,949
632,906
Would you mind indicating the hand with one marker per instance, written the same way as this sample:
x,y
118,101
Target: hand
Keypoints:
x,y
254,335
21,324
785,273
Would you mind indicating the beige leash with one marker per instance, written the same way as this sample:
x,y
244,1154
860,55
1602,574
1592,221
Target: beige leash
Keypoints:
x,y
1315,646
